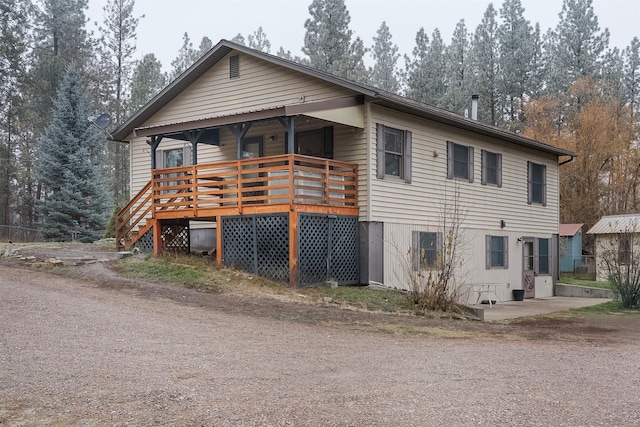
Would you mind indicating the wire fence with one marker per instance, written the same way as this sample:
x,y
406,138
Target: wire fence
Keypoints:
x,y
19,234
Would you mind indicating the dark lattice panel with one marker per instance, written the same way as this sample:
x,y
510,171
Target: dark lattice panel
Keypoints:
x,y
344,267
145,243
324,235
175,238
237,242
313,249
272,241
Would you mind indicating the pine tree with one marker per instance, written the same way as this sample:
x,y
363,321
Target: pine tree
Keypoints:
x,y
485,63
457,97
516,51
116,51
328,41
425,72
187,55
13,62
258,41
632,75
69,168
575,48
384,73
148,79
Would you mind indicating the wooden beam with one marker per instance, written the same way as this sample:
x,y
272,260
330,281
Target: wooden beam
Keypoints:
x,y
153,143
219,241
157,237
293,249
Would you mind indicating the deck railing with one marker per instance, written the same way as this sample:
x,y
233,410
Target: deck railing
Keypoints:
x,y
261,185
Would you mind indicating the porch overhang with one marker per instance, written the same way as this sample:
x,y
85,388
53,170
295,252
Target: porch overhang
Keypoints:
x,y
348,111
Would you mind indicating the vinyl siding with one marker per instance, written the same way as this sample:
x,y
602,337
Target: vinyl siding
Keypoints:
x,y
261,85
397,262
422,201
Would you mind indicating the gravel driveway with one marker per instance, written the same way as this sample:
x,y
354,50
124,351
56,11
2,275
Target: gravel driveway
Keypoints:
x,y
75,353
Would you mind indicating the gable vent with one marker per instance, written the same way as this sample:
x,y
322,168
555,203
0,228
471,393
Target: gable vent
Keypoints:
x,y
234,66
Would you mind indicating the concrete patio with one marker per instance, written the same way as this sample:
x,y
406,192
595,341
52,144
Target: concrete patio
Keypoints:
x,y
532,307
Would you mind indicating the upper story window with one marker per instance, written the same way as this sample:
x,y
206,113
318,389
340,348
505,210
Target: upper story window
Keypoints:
x,y
537,183
393,151
459,161
491,168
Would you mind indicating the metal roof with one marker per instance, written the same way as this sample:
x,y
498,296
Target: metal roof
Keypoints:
x,y
569,229
391,100
613,224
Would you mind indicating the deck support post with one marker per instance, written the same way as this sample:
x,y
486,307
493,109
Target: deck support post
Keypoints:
x,y
293,249
219,241
157,237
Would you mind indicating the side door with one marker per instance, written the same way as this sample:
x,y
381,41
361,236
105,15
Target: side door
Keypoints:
x,y
528,273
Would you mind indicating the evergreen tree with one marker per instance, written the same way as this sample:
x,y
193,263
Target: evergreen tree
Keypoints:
x,y
116,51
632,76
69,168
457,98
485,63
14,15
148,79
205,46
576,46
385,53
328,41
258,41
60,38
187,55
516,51
425,72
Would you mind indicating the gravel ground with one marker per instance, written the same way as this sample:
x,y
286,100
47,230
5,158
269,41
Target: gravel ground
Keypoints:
x,y
75,352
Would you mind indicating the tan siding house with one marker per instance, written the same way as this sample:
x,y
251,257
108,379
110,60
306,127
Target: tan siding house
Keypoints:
x,y
305,177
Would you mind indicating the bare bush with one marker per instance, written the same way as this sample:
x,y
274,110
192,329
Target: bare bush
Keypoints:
x,y
435,281
620,259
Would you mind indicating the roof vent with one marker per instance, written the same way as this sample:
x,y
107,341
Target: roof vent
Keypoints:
x,y
234,66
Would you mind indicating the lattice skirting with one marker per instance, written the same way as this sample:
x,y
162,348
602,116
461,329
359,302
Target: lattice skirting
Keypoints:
x,y
328,247
175,238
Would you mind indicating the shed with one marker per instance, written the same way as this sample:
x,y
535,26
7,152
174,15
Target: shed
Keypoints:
x,y
617,234
570,247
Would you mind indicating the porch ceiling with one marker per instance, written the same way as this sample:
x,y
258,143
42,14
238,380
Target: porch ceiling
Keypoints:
x,y
348,111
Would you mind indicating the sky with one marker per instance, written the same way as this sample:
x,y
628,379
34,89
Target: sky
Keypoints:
x,y
161,29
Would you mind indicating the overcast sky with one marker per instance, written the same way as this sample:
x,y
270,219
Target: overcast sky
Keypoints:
x,y
165,21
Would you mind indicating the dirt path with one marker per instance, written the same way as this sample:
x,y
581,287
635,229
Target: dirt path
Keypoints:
x,y
90,351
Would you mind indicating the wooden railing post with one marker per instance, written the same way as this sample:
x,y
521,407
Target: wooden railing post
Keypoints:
x,y
292,180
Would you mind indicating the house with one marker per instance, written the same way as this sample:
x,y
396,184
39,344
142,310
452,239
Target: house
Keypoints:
x,y
304,177
617,240
570,247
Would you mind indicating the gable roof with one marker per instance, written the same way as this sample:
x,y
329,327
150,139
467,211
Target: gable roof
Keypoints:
x,y
613,224
569,230
387,99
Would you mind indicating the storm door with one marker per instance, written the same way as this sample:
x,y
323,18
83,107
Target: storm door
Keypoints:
x,y
528,265
252,148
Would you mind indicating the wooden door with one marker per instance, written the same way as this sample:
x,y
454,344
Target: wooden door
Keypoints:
x,y
528,274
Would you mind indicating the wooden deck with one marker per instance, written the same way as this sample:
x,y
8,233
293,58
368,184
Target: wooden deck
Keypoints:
x,y
284,183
